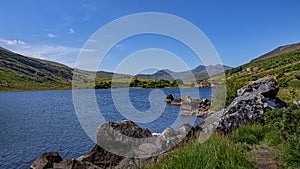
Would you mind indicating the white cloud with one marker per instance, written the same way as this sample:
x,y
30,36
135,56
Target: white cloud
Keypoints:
x,y
62,54
12,42
71,31
88,6
50,35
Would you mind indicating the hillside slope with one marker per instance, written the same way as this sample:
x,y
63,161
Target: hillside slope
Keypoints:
x,y
279,51
285,68
18,72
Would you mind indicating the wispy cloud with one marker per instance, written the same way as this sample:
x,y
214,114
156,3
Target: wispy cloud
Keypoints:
x,y
12,42
50,35
71,31
88,6
62,54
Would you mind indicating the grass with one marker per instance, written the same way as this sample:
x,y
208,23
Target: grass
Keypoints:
x,y
275,143
285,68
217,152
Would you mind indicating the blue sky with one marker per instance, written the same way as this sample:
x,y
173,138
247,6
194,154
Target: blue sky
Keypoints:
x,y
56,30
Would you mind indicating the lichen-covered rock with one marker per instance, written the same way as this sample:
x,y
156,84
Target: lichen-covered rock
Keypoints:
x,y
265,86
249,106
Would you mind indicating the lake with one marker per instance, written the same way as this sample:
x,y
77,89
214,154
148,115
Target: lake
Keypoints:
x,y
34,122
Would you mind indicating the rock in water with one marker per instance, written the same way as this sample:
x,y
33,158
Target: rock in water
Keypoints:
x,y
194,107
169,98
177,101
46,160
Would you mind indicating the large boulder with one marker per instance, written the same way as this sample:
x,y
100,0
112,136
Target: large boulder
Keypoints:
x,y
265,86
114,136
249,106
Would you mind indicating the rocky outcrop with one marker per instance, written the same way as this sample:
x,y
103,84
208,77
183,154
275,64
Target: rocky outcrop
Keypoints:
x,y
169,98
114,137
195,107
249,106
177,101
114,134
191,106
46,160
266,86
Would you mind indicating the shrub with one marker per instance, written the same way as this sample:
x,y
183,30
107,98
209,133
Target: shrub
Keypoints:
x,y
286,120
272,136
292,153
250,134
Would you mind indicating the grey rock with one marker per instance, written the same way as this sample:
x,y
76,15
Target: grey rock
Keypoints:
x,y
46,160
249,106
169,132
195,107
266,86
185,129
74,164
115,136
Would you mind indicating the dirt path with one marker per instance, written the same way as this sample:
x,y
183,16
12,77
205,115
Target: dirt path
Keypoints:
x,y
265,158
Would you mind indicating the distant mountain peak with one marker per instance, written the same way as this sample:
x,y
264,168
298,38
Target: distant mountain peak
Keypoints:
x,y
188,75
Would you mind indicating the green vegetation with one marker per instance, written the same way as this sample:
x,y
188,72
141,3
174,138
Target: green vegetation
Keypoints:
x,y
274,143
153,83
139,83
250,134
286,123
285,68
217,152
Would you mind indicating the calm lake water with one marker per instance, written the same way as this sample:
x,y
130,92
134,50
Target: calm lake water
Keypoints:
x,y
35,122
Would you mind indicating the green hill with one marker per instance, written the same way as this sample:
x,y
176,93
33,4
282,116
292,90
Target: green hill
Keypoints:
x,y
285,68
18,72
21,72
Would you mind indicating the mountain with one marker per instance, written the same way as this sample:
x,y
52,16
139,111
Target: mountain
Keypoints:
x,y
18,72
197,73
279,51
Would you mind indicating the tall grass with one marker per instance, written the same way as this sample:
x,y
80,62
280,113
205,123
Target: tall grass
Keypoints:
x,y
216,152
